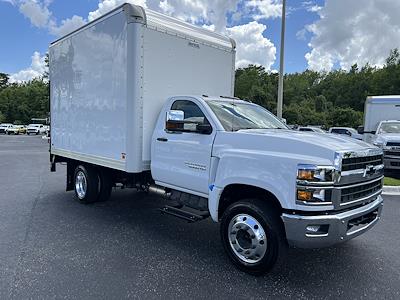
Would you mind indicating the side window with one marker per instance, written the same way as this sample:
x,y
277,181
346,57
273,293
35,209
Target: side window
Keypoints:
x,y
192,113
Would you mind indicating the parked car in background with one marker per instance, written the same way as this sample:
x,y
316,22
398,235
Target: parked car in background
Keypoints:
x,y
387,137
382,127
351,132
36,129
311,129
4,127
16,129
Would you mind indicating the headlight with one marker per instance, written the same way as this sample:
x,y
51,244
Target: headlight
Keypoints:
x,y
313,184
314,173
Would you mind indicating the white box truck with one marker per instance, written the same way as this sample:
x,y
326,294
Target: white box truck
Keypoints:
x,y
382,128
131,106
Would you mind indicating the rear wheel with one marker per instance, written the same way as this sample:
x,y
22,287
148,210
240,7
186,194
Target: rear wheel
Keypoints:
x,y
106,185
253,236
86,181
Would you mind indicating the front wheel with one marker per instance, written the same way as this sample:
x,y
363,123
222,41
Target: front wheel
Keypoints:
x,y
253,236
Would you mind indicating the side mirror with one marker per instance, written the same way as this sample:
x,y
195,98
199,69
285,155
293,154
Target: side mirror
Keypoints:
x,y
360,129
204,128
175,115
175,121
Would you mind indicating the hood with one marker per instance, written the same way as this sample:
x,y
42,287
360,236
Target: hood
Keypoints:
x,y
336,142
317,146
388,137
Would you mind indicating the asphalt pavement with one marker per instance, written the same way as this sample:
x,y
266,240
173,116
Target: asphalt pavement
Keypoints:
x,y
54,247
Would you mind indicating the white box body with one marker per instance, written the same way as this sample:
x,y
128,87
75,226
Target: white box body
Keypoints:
x,y
377,109
110,79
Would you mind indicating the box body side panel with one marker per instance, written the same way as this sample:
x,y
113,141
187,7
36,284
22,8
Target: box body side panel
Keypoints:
x,y
379,109
88,82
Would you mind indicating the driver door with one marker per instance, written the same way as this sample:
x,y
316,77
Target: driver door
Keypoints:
x,y
181,159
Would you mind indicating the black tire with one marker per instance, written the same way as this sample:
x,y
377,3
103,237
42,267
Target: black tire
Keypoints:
x,y
91,178
106,185
37,133
272,225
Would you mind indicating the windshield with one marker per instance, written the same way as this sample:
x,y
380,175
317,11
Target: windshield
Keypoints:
x,y
390,127
235,116
316,129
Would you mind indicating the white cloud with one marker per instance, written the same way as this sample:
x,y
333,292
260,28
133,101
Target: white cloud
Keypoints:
x,y
36,12
265,9
350,32
37,68
166,8
40,16
314,8
209,27
66,26
252,46
311,6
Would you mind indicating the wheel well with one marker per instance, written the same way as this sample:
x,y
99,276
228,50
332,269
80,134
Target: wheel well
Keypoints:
x,y
236,192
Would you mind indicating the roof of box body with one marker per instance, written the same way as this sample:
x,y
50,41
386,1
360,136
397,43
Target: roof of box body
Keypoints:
x,y
163,23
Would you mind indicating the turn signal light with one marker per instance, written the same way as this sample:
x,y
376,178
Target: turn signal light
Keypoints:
x,y
304,195
305,174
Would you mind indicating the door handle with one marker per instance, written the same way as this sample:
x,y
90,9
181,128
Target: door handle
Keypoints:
x,y
162,139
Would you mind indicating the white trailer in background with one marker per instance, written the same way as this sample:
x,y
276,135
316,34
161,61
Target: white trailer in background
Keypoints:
x,y
382,127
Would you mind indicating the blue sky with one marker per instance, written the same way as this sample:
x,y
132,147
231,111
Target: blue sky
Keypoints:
x,y
313,29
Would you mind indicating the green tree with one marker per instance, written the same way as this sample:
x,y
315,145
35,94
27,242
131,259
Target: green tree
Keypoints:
x,y
3,80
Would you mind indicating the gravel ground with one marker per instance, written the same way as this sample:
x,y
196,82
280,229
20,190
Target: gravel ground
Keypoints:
x,y
53,247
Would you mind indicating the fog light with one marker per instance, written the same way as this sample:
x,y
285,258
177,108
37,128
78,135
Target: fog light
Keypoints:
x,y
304,195
313,228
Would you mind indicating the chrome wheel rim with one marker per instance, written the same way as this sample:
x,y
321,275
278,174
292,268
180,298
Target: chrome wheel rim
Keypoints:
x,y
80,185
247,238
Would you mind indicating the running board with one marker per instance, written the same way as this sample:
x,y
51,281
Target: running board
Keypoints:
x,y
184,214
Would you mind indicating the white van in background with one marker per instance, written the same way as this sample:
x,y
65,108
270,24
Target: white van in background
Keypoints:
x,y
382,127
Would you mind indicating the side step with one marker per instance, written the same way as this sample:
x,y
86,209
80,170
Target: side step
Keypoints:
x,y
184,214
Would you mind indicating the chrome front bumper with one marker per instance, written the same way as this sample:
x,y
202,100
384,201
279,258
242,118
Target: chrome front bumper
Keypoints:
x,y
335,228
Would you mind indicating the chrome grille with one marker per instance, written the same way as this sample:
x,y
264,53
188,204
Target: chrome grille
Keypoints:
x,y
359,192
393,144
392,153
356,163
